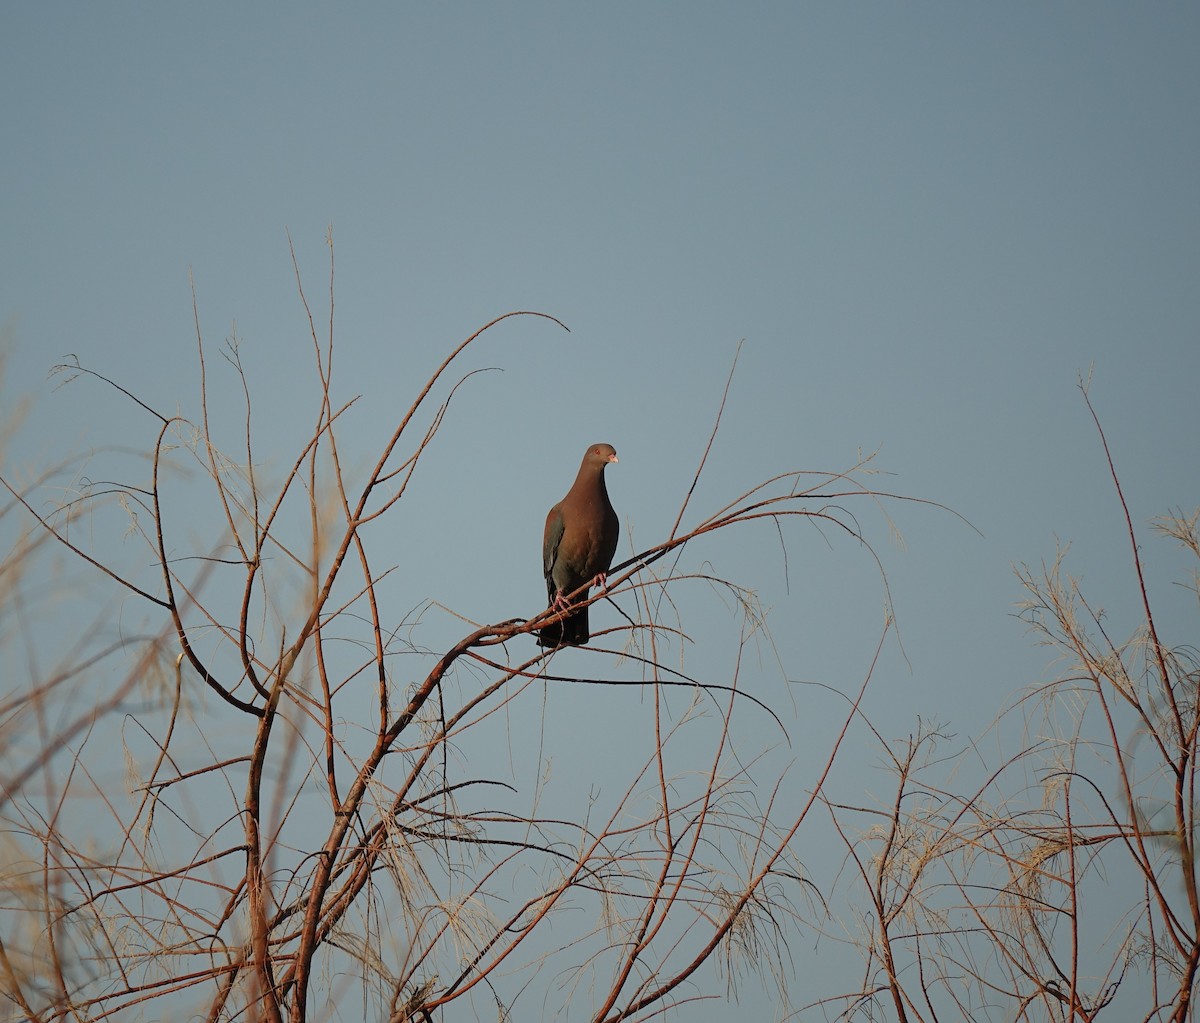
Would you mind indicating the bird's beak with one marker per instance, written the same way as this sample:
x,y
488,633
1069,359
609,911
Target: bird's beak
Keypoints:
x,y
613,458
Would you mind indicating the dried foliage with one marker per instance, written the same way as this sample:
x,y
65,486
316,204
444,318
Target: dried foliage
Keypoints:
x,y
1061,886
275,800
276,804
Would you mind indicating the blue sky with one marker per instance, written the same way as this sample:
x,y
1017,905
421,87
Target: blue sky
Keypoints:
x,y
926,222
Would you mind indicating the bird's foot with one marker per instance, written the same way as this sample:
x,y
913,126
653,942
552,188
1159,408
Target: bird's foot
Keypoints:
x,y
601,582
560,602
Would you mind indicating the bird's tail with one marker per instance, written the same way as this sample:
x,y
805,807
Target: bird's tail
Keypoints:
x,y
571,631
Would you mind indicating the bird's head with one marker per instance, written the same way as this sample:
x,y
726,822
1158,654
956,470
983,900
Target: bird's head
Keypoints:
x,y
602,454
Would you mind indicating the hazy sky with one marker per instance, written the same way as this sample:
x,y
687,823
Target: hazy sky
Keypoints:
x,y
925,221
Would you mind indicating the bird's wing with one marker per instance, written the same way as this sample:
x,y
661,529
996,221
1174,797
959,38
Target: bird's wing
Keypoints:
x,y
551,538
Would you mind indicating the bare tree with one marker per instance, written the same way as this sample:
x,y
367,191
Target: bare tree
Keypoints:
x,y
312,813
1062,884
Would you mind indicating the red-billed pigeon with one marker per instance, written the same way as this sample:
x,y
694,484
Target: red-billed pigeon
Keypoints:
x,y
578,546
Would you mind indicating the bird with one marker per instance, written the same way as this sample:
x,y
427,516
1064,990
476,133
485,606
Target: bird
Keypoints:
x,y
578,546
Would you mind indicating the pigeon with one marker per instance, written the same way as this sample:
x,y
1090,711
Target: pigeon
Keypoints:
x,y
578,546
